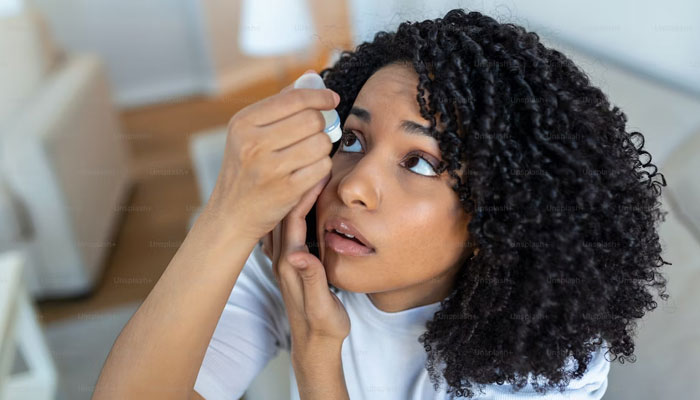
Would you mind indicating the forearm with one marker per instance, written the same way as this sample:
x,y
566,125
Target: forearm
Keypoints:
x,y
159,352
318,369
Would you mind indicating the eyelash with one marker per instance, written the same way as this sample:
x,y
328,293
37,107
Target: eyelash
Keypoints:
x,y
347,133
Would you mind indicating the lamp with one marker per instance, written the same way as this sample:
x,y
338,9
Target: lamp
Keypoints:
x,y
275,27
11,7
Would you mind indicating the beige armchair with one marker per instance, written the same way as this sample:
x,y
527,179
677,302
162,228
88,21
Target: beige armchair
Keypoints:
x,y
63,160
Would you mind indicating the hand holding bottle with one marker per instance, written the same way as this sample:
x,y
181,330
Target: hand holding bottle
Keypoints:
x,y
276,150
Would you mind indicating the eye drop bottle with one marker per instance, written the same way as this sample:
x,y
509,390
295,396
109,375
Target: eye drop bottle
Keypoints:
x,y
314,81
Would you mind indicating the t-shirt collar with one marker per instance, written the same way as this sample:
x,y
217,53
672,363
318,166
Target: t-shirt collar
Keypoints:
x,y
410,321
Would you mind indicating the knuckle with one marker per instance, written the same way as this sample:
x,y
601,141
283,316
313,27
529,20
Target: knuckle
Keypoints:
x,y
309,276
295,182
313,120
320,120
273,170
250,148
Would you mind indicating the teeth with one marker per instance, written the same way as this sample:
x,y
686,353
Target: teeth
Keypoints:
x,y
345,234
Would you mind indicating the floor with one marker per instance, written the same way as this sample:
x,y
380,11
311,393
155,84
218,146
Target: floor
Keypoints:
x,y
163,197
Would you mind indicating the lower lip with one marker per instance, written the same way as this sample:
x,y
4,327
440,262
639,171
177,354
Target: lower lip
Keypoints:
x,y
345,246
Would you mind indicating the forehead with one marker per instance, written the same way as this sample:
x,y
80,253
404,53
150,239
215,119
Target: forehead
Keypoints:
x,y
393,86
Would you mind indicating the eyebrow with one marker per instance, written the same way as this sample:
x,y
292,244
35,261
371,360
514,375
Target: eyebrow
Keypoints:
x,y
409,127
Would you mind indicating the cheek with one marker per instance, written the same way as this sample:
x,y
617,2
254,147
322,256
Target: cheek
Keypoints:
x,y
422,240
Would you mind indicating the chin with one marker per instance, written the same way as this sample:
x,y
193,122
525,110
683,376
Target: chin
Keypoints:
x,y
351,278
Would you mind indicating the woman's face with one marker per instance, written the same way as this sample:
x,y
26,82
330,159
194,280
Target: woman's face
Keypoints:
x,y
383,182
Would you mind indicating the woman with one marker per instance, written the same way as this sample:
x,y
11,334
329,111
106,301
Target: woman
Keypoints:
x,y
502,233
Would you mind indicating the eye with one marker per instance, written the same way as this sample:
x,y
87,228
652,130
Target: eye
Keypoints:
x,y
347,136
425,168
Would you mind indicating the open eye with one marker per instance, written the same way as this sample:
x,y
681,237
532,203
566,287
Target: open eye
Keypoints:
x,y
347,136
424,167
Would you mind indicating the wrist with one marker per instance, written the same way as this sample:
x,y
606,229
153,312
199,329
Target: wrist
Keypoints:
x,y
222,228
318,369
314,350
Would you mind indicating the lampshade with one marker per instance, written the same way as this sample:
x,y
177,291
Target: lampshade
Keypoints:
x,y
11,7
275,27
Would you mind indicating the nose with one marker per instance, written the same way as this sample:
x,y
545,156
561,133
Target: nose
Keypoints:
x,y
359,186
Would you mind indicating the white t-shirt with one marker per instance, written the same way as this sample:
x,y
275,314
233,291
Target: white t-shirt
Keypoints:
x,y
382,358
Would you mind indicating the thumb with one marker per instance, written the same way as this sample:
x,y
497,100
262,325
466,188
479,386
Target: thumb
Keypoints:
x,y
313,277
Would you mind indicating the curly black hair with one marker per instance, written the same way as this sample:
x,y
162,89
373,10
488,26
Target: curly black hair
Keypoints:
x,y
564,202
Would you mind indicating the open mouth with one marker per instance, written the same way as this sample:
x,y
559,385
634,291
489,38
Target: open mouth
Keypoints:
x,y
345,244
346,236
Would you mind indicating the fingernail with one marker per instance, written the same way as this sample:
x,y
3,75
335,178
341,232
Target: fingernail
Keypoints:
x,y
336,96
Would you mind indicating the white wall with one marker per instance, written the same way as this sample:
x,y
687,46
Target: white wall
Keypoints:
x,y
161,50
10,7
660,39
157,50
644,55
150,47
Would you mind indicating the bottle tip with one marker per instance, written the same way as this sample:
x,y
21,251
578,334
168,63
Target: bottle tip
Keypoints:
x,y
335,133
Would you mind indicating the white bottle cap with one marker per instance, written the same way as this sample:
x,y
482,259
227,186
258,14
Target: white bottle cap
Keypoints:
x,y
310,80
313,80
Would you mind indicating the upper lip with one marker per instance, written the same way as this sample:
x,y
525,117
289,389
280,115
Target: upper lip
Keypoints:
x,y
344,226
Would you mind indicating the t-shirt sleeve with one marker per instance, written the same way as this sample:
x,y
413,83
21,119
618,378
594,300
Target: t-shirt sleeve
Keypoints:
x,y
253,327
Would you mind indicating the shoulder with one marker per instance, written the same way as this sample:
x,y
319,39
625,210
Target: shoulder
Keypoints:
x,y
594,382
591,386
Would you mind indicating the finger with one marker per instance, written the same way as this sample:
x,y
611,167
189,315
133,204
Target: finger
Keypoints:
x,y
310,173
281,105
295,225
291,286
317,298
276,249
297,128
299,211
300,155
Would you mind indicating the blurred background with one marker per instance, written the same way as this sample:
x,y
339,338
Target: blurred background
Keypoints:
x,y
112,127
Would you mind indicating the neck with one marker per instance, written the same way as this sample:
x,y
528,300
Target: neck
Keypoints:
x,y
424,293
